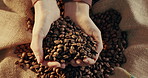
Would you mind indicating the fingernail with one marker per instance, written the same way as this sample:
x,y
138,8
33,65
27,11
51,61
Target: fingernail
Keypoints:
x,y
63,66
38,59
54,64
78,62
58,65
85,60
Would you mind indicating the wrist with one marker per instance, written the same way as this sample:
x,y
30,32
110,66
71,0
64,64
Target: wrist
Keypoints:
x,y
89,2
41,1
76,9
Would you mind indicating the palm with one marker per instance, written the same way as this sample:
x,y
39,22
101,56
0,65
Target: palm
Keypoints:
x,y
80,15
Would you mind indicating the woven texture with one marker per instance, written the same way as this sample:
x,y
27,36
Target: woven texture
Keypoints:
x,y
14,14
134,21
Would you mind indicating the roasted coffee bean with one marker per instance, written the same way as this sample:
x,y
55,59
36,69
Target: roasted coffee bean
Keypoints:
x,y
47,57
59,50
52,73
51,76
21,60
62,36
19,55
60,45
65,56
21,65
57,70
17,62
62,61
36,66
58,41
25,61
27,66
106,76
74,36
23,54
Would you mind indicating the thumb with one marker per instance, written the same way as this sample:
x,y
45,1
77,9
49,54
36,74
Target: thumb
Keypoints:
x,y
36,46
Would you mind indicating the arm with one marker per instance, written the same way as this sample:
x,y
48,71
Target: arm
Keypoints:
x,y
89,2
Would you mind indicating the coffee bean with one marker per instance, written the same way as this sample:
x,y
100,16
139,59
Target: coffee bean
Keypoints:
x,y
106,76
62,61
62,36
60,45
51,76
21,60
52,73
74,36
25,61
36,66
59,50
58,41
23,54
19,55
17,62
47,57
65,56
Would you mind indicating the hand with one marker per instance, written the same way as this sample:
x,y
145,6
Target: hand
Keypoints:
x,y
46,12
79,13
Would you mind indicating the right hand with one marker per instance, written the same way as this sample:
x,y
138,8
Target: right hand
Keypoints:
x,y
79,13
46,12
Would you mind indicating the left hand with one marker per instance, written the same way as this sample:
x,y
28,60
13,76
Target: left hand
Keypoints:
x,y
46,12
79,13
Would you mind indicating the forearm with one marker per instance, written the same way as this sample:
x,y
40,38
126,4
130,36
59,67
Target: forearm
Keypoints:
x,y
89,2
44,14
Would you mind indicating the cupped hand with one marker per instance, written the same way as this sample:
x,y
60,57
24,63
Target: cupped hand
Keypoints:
x,y
46,12
79,13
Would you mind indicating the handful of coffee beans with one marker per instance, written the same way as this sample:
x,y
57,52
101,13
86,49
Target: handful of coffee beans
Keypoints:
x,y
67,41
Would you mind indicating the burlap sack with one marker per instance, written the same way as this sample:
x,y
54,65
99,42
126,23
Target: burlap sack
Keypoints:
x,y
134,21
13,15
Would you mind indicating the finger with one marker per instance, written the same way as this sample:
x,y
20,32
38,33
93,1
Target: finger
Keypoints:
x,y
53,64
91,29
97,36
96,57
89,61
36,46
99,46
63,65
81,63
73,63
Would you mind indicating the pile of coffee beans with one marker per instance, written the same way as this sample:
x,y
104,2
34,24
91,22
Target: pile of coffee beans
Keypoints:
x,y
66,41
28,61
112,55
